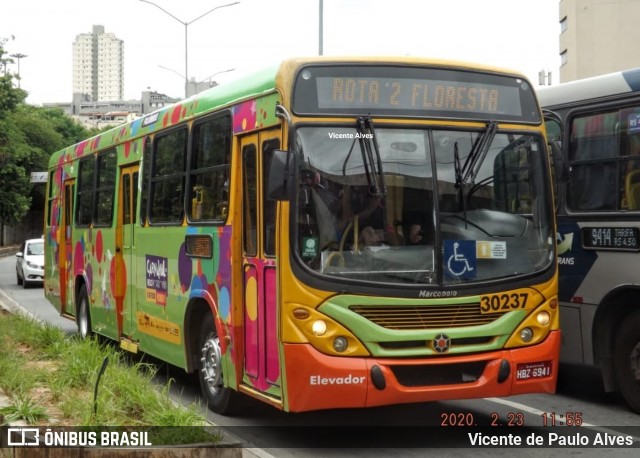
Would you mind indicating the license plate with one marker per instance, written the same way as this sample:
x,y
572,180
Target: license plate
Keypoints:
x,y
528,371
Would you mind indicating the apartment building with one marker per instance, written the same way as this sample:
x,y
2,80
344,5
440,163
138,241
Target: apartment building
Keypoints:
x,y
598,37
98,65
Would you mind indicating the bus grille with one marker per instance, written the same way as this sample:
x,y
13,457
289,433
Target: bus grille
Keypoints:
x,y
426,317
439,374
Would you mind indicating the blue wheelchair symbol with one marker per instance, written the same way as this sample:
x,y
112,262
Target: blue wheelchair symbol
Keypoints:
x,y
460,258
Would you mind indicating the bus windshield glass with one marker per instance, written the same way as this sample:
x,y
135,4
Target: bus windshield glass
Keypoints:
x,y
422,205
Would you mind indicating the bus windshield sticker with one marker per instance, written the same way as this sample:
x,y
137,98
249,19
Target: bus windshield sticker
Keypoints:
x,y
491,250
460,258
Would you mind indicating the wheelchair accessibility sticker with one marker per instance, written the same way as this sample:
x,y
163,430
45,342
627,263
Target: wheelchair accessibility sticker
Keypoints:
x,y
460,258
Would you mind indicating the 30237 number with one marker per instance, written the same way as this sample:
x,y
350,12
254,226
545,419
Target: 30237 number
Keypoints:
x,y
497,303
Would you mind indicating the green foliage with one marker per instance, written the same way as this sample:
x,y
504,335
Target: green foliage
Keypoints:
x,y
42,366
28,137
24,408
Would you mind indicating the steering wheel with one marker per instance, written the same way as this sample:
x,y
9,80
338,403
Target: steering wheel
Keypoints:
x,y
336,258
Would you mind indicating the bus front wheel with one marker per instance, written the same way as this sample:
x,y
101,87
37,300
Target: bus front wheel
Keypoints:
x,y
626,360
83,317
221,399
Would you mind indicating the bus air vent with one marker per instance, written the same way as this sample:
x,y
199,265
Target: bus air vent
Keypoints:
x,y
438,374
426,317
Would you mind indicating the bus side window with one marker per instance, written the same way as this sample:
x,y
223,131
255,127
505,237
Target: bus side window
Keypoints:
x,y
168,177
209,170
593,156
268,147
146,176
630,146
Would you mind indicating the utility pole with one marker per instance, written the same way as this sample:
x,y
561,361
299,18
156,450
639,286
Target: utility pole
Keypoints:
x,y
321,28
186,24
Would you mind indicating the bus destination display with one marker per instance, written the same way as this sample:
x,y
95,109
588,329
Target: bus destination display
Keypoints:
x,y
611,238
396,93
422,92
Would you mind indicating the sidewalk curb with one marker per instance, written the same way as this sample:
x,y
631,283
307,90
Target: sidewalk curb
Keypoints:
x,y
8,250
7,303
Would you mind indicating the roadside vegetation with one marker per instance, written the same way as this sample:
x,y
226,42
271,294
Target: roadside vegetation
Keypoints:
x,y
28,136
48,378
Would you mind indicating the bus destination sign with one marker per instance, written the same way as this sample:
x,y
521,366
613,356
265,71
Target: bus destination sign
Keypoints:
x,y
399,93
611,238
411,91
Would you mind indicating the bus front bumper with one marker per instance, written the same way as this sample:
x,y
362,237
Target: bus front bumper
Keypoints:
x,y
316,381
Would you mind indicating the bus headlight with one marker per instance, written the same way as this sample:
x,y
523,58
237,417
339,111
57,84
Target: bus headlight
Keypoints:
x,y
526,334
543,318
340,344
536,326
304,324
319,327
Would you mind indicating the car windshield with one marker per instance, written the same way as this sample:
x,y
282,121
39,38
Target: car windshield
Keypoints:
x,y
35,248
422,205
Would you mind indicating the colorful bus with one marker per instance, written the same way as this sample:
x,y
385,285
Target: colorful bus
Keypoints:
x,y
326,233
595,125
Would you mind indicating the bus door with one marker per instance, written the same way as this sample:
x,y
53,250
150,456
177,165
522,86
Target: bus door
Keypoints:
x,y
125,265
261,357
67,303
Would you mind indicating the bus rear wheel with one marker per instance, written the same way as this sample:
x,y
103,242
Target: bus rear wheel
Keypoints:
x,y
221,399
83,318
626,360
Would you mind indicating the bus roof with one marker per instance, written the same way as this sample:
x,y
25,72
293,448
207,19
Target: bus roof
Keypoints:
x,y
251,85
593,88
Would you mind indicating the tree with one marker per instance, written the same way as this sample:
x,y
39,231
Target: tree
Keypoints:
x,y
28,137
14,184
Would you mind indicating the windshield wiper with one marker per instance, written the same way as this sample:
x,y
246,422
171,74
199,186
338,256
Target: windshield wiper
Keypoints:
x,y
369,147
460,180
478,152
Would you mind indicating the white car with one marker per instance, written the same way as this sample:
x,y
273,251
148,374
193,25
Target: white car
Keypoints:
x,y
30,262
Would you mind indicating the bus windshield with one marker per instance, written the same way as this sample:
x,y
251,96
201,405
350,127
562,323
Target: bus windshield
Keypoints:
x,y
422,205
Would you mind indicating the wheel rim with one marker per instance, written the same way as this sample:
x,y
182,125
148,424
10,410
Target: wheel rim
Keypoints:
x,y
83,322
211,364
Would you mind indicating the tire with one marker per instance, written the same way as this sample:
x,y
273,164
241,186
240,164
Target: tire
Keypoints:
x,y
18,278
220,399
83,317
626,360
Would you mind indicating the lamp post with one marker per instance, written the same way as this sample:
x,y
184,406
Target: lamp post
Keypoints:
x,y
321,28
186,37
195,85
18,56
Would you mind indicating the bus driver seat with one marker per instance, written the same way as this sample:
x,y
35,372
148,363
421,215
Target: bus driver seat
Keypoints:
x,y
632,189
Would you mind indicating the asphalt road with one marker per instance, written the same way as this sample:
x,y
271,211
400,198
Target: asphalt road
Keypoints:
x,y
403,430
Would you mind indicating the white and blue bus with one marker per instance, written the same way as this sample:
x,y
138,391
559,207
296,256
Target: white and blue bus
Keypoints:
x,y
594,127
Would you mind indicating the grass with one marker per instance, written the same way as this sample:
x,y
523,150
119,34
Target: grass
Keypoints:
x,y
50,377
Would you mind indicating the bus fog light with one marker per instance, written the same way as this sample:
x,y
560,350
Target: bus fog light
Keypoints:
x,y
340,344
543,318
319,327
526,335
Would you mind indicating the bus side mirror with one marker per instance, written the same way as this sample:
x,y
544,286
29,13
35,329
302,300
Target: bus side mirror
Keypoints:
x,y
280,184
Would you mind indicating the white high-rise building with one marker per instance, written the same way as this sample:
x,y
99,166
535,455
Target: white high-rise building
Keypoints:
x,y
98,65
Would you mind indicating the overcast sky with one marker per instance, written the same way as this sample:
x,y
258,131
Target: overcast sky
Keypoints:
x,y
516,34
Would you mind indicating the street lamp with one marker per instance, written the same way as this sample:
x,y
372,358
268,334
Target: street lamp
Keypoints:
x,y
186,25
195,85
18,56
